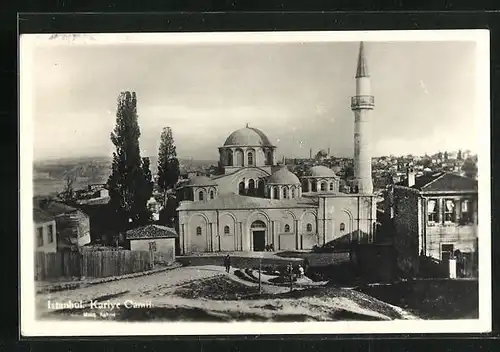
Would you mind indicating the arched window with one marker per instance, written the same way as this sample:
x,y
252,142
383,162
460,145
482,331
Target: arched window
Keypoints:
x,y
229,157
342,226
276,193
226,230
323,186
250,158
212,195
314,186
260,189
200,195
293,192
309,227
331,186
287,228
241,188
251,187
285,193
258,225
198,231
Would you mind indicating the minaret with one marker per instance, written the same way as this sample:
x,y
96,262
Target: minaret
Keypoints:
x,y
362,105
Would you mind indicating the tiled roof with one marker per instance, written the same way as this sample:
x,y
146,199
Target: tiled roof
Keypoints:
x,y
52,207
95,201
151,231
443,182
235,201
39,216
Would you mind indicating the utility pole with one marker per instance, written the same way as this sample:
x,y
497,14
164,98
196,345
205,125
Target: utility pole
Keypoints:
x,y
260,275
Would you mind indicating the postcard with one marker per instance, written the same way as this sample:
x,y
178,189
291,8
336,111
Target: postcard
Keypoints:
x,y
255,183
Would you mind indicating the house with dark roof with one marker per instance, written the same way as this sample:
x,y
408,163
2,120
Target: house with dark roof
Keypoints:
x,y
160,240
45,231
73,225
434,216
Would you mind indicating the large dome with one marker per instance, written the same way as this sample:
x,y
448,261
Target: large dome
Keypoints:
x,y
248,136
320,171
283,177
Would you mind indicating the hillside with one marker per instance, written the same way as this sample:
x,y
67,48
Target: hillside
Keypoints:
x,y
48,175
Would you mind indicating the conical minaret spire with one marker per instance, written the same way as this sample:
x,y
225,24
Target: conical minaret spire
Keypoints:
x,y
362,70
362,105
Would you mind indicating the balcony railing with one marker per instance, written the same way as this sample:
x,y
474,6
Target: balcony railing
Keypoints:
x,y
362,101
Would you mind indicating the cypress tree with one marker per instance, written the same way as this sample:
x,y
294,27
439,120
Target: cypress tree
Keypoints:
x,y
168,164
127,183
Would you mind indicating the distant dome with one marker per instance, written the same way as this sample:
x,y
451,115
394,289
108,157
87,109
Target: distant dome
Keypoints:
x,y
322,153
200,181
283,177
248,136
320,171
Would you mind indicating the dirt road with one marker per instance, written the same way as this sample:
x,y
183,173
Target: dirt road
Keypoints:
x,y
138,286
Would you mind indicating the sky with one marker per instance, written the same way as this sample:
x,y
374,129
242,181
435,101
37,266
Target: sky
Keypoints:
x,y
298,94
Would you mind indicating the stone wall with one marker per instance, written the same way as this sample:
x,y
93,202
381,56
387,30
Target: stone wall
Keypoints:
x,y
341,218
165,248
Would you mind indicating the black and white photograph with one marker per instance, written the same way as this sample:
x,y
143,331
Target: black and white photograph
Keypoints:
x,y
259,182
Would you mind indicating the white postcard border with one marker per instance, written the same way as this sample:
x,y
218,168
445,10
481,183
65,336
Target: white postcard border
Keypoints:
x,y
32,327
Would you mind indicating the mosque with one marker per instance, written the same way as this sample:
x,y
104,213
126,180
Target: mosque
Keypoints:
x,y
256,202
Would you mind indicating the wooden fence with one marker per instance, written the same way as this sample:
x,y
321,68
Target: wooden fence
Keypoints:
x,y
97,264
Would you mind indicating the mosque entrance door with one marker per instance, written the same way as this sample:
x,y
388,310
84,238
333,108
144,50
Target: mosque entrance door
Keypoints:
x,y
258,230
259,241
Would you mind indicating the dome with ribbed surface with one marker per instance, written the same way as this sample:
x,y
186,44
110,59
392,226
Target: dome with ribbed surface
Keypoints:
x,y
283,177
248,136
320,171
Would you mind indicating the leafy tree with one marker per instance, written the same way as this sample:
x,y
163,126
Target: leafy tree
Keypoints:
x,y
128,187
459,155
146,192
469,167
445,155
426,162
168,215
348,172
68,194
168,164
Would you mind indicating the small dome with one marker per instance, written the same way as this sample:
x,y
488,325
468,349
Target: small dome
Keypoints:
x,y
248,136
283,177
320,171
200,181
322,153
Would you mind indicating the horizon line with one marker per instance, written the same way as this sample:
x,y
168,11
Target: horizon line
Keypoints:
x,y
216,159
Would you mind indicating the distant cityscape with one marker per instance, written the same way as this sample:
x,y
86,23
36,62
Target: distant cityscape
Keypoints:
x,y
386,170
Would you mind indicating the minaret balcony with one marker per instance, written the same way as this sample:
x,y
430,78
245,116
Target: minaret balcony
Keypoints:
x,y
362,102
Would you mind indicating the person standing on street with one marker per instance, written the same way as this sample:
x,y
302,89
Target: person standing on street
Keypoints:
x,y
227,263
301,271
